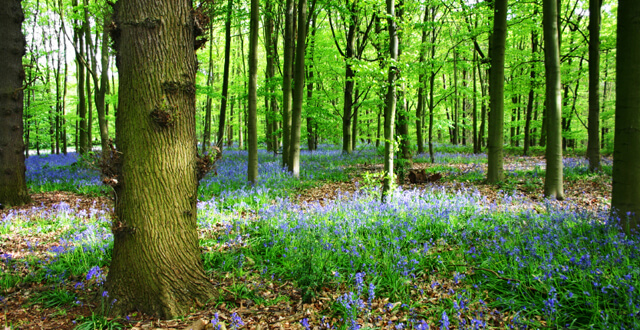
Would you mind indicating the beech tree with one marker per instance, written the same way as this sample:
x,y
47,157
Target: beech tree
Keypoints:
x,y
13,186
625,196
553,177
156,265
390,103
495,169
252,120
593,144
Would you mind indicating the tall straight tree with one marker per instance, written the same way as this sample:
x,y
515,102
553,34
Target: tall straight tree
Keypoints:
x,y
625,197
593,143
286,80
252,118
553,178
298,92
225,76
390,108
495,167
156,264
13,186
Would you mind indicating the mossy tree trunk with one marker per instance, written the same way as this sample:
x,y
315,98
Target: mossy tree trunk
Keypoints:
x,y
625,197
156,265
13,187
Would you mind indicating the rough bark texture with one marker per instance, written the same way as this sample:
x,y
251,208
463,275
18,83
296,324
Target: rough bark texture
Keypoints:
x,y
593,144
495,168
13,187
252,118
553,178
625,197
390,109
156,265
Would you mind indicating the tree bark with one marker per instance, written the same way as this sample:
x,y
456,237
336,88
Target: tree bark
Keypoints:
x,y
593,143
625,197
298,93
390,109
532,75
13,186
553,186
252,118
495,169
156,265
225,76
286,81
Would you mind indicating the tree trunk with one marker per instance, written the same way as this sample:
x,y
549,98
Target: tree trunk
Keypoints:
x,y
495,171
476,140
225,76
298,93
349,83
252,118
156,265
390,109
593,143
625,197
13,186
206,136
286,81
532,75
553,179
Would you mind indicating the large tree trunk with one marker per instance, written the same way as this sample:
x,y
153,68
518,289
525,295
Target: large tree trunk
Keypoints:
x,y
553,178
252,118
156,266
298,93
495,171
625,197
225,76
13,186
593,143
390,109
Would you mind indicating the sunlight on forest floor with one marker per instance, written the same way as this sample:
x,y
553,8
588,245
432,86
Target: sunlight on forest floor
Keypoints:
x,y
323,252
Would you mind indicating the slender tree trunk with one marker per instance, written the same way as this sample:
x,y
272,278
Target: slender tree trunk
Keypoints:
x,y
593,143
156,265
101,89
13,186
532,75
476,138
347,109
298,93
625,197
225,76
286,81
553,186
311,133
495,170
206,136
390,109
252,120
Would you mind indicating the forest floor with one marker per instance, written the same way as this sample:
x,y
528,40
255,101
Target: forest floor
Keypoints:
x,y
19,309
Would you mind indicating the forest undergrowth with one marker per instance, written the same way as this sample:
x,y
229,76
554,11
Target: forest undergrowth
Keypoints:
x,y
323,252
